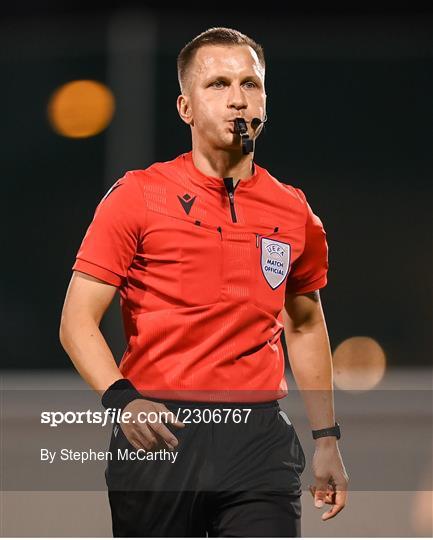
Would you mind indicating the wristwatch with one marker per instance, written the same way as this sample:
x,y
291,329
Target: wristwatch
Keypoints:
x,y
335,431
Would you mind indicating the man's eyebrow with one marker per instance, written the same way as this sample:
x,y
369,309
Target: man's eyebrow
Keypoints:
x,y
227,78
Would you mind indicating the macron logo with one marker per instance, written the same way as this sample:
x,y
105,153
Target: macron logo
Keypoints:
x,y
186,202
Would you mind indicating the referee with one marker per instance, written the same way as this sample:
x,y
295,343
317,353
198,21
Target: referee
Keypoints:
x,y
213,257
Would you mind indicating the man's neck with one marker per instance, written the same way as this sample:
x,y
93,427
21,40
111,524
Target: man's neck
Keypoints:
x,y
224,164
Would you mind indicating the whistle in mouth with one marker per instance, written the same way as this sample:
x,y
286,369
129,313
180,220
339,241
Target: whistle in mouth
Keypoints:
x,y
241,129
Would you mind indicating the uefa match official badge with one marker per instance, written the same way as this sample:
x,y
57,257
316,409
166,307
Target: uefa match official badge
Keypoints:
x,y
275,261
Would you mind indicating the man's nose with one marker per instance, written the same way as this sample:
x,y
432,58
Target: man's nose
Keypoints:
x,y
237,97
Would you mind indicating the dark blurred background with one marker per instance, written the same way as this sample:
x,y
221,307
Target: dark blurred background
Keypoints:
x,y
350,123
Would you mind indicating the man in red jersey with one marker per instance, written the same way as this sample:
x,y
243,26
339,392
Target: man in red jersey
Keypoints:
x,y
213,258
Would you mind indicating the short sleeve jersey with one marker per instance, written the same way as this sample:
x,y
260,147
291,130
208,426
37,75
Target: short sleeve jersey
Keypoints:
x,y
203,268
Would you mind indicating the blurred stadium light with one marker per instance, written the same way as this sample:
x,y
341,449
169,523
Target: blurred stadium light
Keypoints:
x,y
359,364
80,109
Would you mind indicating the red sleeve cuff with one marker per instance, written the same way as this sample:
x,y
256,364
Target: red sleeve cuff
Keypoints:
x,y
318,283
97,272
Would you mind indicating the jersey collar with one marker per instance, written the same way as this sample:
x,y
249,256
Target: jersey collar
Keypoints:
x,y
213,181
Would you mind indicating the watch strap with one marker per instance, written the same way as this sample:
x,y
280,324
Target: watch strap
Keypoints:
x,y
326,432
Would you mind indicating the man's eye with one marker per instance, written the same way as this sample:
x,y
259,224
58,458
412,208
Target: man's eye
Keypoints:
x,y
250,84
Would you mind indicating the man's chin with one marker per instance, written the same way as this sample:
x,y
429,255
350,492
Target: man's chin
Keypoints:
x,y
228,142
233,142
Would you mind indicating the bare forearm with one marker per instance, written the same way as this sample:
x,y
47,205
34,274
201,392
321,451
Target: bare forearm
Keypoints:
x,y
89,352
311,362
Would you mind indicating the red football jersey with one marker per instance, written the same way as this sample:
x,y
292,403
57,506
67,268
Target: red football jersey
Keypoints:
x,y
202,268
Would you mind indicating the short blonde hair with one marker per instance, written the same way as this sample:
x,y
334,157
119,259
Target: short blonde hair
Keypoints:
x,y
213,36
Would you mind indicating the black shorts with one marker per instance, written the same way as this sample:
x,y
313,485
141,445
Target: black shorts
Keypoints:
x,y
234,475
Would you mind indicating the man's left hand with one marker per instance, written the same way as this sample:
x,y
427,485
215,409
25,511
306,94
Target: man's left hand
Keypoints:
x,y
330,476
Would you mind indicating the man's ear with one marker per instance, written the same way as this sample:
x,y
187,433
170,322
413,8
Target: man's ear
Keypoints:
x,y
184,109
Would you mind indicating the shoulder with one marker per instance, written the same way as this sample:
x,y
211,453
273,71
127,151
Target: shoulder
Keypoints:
x,y
284,188
154,181
156,170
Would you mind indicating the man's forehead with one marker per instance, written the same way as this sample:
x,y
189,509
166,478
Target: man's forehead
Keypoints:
x,y
211,58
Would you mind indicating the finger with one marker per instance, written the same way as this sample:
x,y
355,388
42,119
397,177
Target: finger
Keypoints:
x,y
320,493
163,444
328,497
145,437
131,436
332,483
136,443
330,493
164,433
340,503
172,418
147,432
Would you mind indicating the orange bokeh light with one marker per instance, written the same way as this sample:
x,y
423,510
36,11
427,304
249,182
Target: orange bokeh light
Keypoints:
x,y
359,363
80,109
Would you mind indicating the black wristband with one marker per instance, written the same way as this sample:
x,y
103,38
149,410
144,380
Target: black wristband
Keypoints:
x,y
327,432
119,394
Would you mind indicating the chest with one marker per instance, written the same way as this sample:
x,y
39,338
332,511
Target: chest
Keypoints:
x,y
221,247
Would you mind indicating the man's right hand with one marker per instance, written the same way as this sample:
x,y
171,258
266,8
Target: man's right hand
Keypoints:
x,y
149,435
